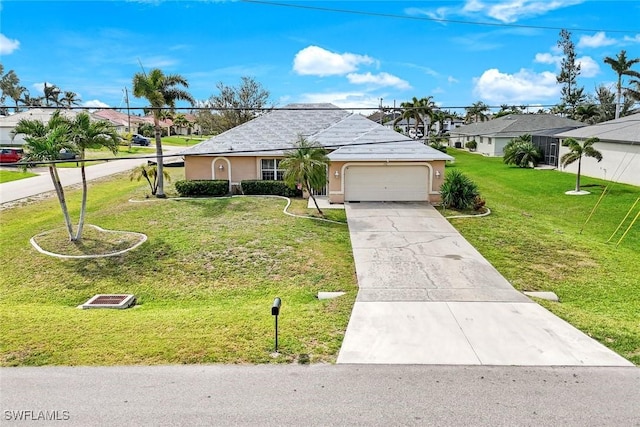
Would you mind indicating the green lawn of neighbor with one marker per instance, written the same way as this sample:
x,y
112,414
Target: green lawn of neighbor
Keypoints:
x,y
533,237
7,176
123,151
184,141
205,281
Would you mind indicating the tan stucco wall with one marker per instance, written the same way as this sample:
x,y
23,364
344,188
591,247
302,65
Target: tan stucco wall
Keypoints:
x,y
200,167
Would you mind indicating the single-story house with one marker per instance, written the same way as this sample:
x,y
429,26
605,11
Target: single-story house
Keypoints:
x,y
8,123
369,162
619,143
492,136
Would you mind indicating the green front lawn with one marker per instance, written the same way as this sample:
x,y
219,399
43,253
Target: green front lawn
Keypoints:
x,y
533,237
205,281
8,176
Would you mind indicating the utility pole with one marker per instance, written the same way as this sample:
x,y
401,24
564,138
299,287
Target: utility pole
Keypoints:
x,y
381,112
126,97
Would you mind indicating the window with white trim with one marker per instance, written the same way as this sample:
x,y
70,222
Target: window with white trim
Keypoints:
x,y
270,170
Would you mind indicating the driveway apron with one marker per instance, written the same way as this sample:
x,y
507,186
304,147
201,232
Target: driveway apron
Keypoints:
x,y
428,297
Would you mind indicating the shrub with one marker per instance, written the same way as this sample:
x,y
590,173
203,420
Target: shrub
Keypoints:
x,y
458,191
187,188
274,188
471,145
521,152
478,203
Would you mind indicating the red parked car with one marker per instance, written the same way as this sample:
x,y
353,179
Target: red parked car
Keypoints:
x,y
10,155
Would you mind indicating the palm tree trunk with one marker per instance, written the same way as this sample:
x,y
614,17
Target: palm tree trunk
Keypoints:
x,y
83,206
63,203
578,175
160,167
315,202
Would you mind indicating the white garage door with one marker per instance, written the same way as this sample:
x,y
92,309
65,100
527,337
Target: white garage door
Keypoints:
x,y
386,184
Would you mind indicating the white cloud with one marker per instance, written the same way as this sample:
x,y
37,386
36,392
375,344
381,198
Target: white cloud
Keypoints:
x,y
452,79
8,46
523,86
316,61
512,10
156,62
473,6
599,39
94,103
635,39
547,58
380,80
588,67
343,99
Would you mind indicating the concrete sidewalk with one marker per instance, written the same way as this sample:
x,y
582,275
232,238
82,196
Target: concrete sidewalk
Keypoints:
x,y
428,297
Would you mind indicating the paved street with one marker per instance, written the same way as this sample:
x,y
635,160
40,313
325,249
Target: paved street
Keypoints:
x,y
28,187
323,395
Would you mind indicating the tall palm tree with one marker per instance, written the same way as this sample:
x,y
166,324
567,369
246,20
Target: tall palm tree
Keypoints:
x,y
633,91
307,165
161,91
70,98
43,143
417,109
622,66
28,101
90,134
477,111
51,95
576,152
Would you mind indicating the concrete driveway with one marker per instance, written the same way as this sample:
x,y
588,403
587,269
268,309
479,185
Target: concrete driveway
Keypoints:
x,y
428,297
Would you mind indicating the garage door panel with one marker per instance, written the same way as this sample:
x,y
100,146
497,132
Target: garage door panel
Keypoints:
x,y
386,183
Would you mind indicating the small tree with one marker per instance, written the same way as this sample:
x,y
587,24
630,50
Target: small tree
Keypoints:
x,y
576,152
307,165
458,191
471,145
521,152
150,174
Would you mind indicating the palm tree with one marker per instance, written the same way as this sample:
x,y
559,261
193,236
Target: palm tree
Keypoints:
x,y
148,173
588,113
161,91
417,109
307,165
87,134
521,152
622,66
69,99
633,93
29,101
181,121
576,152
43,143
477,111
51,94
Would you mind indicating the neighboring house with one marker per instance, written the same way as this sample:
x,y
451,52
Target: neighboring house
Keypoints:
x,y
491,136
193,127
369,162
620,147
124,123
8,123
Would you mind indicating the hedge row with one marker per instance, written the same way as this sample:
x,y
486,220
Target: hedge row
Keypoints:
x,y
276,188
220,187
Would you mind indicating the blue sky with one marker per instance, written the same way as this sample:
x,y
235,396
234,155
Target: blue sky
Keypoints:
x,y
308,55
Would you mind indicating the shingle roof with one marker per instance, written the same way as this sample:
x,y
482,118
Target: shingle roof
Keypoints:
x,y
516,125
623,130
277,131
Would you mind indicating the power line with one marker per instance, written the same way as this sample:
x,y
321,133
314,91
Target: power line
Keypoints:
x,y
427,19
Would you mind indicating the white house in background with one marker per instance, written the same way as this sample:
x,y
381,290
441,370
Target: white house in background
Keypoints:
x,y
620,147
8,123
491,136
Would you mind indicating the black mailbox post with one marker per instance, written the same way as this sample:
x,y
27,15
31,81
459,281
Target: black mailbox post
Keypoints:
x,y
275,311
